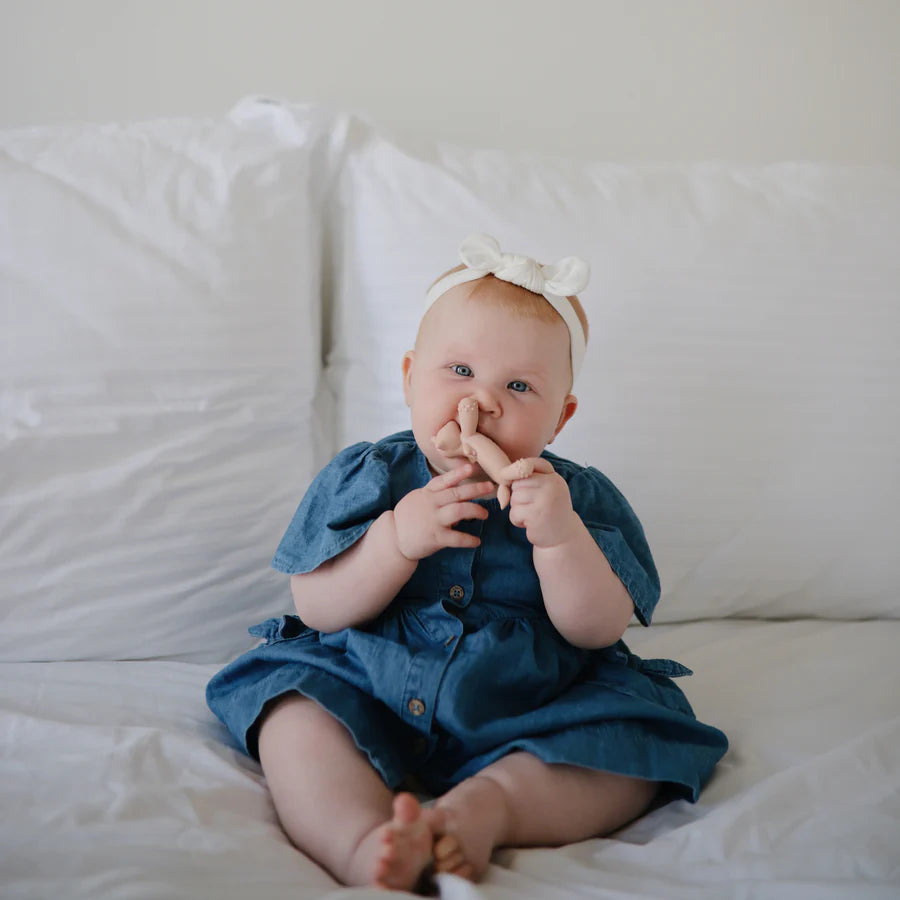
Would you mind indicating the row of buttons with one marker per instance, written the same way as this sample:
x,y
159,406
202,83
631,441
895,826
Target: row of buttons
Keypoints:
x,y
417,706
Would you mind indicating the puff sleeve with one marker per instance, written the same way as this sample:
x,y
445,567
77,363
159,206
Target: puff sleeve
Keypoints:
x,y
337,509
617,531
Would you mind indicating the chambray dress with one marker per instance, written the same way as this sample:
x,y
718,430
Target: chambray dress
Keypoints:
x,y
464,666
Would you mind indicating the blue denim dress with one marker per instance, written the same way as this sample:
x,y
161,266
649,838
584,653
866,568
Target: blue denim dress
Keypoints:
x,y
464,666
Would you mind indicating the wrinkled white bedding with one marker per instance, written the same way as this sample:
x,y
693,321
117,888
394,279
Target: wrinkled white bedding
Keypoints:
x,y
116,782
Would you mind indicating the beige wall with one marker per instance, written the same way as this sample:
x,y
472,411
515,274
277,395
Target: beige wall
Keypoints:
x,y
619,79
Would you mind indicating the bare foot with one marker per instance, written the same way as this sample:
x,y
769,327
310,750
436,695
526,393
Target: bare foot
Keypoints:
x,y
450,858
475,821
404,856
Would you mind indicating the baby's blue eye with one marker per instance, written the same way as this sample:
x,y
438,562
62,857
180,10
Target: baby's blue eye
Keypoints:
x,y
462,370
519,386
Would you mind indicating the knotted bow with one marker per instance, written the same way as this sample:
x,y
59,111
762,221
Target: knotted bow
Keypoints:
x,y
481,253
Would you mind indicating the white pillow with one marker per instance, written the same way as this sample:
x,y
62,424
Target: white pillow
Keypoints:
x,y
161,360
742,376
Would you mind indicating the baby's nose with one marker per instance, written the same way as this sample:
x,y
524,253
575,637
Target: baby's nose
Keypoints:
x,y
488,403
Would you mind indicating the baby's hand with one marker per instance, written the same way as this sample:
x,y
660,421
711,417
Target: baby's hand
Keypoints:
x,y
424,518
542,506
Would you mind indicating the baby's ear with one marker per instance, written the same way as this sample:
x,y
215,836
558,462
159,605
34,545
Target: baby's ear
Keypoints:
x,y
407,366
570,404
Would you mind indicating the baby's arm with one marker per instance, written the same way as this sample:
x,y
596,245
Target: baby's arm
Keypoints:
x,y
587,603
584,598
358,584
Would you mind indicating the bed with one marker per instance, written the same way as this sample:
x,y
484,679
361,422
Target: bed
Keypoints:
x,y
197,313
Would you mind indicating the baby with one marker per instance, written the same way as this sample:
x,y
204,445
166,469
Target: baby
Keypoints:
x,y
467,644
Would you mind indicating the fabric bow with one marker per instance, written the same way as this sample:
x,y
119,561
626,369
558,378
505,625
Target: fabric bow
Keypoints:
x,y
481,253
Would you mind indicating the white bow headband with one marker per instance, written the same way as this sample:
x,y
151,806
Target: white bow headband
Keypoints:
x,y
481,256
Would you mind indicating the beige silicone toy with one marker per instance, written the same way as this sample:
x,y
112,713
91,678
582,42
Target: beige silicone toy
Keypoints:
x,y
464,440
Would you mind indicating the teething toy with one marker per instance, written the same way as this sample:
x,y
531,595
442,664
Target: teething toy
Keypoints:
x,y
463,439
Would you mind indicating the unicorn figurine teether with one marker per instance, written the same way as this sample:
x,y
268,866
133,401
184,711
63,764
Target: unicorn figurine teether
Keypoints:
x,y
464,439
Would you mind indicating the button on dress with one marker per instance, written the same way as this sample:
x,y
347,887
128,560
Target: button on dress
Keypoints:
x,y
464,665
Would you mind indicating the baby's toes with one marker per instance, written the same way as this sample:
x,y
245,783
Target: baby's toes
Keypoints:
x,y
449,857
388,862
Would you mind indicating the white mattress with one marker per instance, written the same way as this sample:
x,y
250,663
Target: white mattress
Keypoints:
x,y
115,782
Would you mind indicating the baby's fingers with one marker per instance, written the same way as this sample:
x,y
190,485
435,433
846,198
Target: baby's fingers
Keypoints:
x,y
459,493
451,478
453,538
455,512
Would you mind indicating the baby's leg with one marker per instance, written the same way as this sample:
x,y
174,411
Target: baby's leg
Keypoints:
x,y
520,801
334,805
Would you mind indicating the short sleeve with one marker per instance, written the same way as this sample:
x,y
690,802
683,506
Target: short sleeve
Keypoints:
x,y
617,531
337,510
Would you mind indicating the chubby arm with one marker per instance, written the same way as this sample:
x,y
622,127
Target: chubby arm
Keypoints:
x,y
586,601
358,584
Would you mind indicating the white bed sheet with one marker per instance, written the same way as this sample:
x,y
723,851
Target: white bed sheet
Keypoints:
x,y
115,782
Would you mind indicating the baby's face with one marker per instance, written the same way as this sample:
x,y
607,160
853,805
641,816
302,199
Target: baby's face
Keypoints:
x,y
517,368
